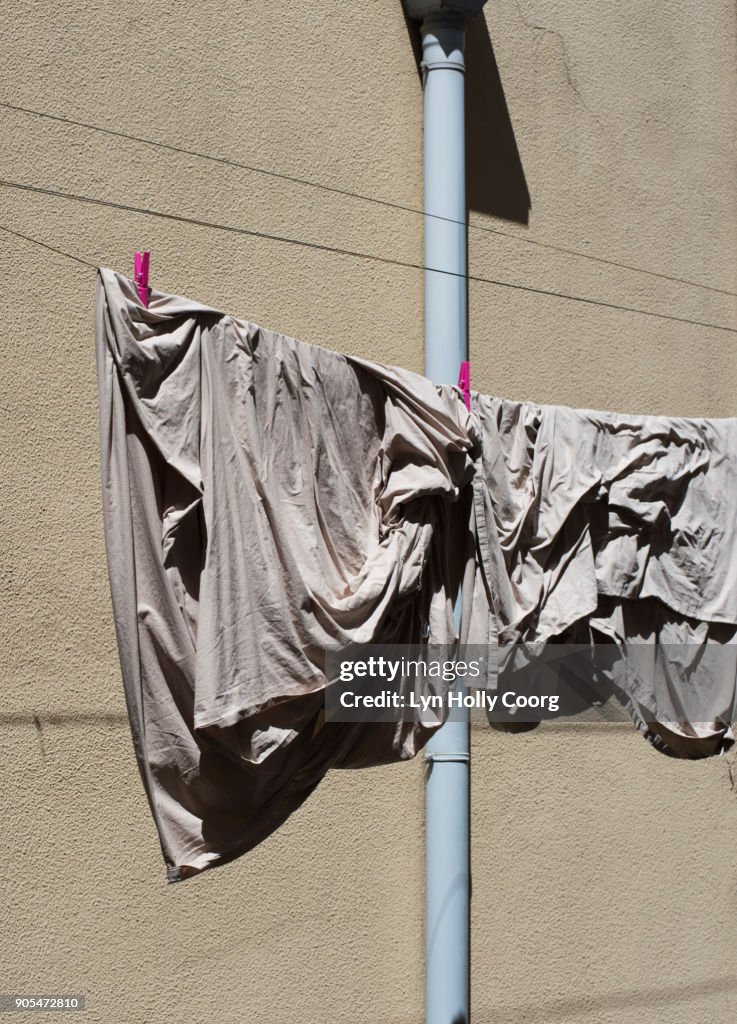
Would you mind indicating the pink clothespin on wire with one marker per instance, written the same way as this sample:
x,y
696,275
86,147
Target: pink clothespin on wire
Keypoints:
x,y
464,383
140,275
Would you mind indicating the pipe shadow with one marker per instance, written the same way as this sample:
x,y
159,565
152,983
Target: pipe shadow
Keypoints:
x,y
495,179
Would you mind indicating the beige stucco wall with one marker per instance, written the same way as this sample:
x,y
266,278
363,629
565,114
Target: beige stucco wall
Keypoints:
x,y
604,874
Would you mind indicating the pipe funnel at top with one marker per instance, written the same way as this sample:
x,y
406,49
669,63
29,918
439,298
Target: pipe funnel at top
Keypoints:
x,y
421,9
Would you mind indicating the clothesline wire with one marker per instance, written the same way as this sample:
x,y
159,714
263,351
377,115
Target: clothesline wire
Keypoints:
x,y
390,261
45,245
357,195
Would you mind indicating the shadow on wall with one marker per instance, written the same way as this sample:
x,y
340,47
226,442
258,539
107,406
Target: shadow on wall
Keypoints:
x,y
495,178
653,1000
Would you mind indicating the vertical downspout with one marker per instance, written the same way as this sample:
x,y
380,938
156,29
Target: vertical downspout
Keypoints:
x,y
446,346
443,72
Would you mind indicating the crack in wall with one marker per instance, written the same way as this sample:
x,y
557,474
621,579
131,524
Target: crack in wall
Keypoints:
x,y
544,30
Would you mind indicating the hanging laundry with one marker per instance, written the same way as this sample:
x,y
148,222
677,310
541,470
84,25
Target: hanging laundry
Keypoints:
x,y
264,499
597,528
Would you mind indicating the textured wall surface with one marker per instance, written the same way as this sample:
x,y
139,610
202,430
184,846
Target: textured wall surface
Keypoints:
x,y
604,874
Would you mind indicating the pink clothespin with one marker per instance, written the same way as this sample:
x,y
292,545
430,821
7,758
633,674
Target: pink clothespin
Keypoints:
x,y
464,383
140,275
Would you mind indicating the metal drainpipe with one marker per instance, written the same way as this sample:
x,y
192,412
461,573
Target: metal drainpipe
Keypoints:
x,y
446,346
447,754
